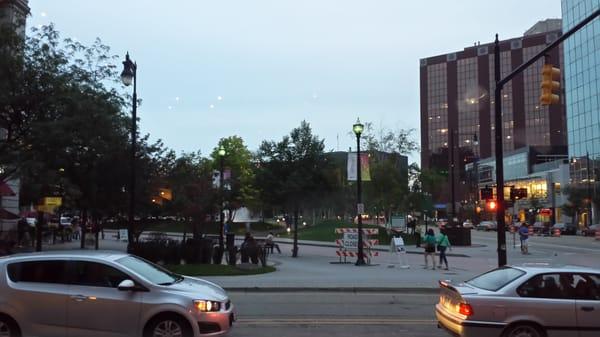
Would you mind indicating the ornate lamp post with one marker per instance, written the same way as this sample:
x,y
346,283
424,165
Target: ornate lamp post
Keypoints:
x,y
358,129
128,76
222,154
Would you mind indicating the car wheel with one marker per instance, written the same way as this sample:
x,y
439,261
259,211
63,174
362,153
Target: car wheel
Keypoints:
x,y
168,326
523,330
8,327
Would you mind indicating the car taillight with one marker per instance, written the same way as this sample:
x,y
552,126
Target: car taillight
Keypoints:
x,y
465,309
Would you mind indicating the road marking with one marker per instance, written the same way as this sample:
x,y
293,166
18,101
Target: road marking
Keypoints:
x,y
333,321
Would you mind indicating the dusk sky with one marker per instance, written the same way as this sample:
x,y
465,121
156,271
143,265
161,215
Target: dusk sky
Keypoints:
x,y
257,68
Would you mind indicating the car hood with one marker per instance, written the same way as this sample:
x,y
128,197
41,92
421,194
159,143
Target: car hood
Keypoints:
x,y
200,289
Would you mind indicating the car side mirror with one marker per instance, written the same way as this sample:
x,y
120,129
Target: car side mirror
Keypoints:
x,y
126,285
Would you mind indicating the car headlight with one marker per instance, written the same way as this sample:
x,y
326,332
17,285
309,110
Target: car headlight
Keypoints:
x,y
207,306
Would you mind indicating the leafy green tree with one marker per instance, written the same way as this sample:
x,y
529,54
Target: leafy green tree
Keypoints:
x,y
240,191
190,180
293,172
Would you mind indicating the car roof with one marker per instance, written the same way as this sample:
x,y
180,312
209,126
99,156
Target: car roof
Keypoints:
x,y
538,268
104,255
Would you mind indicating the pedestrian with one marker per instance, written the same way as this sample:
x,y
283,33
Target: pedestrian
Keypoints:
x,y
429,244
524,236
21,231
443,243
269,243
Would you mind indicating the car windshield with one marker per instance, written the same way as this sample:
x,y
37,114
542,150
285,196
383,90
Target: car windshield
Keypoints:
x,y
150,271
496,279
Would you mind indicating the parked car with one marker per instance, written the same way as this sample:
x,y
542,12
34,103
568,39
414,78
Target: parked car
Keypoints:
x,y
83,293
468,224
591,230
532,301
31,221
487,226
565,228
541,228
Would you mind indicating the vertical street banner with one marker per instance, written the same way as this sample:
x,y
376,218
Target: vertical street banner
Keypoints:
x,y
365,172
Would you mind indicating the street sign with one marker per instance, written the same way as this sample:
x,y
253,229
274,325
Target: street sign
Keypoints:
x,y
360,208
52,201
350,241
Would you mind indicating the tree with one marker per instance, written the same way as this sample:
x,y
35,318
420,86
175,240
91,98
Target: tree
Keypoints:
x,y
387,192
293,172
240,191
190,180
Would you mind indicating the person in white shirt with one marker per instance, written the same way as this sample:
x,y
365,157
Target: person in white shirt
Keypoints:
x,y
270,243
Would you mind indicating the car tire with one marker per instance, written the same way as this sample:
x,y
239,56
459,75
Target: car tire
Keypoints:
x,y
8,327
168,325
523,330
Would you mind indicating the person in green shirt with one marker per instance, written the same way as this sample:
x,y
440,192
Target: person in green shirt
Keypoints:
x,y
443,243
429,244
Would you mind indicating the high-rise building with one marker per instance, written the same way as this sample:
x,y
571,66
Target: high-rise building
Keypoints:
x,y
582,86
457,106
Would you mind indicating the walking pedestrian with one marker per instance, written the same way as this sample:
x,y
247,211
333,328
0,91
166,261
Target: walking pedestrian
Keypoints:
x,y
429,244
524,236
443,243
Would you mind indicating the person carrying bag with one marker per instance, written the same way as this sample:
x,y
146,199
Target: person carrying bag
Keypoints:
x,y
442,244
429,245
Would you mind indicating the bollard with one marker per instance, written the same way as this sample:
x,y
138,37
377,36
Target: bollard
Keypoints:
x,y
598,234
530,230
556,232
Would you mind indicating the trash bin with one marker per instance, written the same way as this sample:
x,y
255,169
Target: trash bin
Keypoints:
x,y
459,236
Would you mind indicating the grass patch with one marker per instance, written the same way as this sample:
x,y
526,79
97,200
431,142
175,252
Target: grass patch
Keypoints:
x,y
216,270
325,231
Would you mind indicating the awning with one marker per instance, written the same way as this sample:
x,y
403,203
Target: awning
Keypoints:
x,y
6,215
6,191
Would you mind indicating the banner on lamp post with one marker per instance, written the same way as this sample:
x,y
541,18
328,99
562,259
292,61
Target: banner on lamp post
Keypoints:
x,y
365,173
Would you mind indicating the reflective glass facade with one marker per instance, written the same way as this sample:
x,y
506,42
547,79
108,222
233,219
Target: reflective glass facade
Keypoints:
x,y
582,90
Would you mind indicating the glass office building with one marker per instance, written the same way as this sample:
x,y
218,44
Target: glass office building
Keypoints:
x,y
582,94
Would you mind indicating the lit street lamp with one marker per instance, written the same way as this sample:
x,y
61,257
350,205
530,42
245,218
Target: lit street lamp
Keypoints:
x,y
128,76
358,129
222,154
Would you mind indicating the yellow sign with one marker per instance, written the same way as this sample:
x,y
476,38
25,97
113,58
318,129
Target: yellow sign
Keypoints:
x,y
45,208
52,201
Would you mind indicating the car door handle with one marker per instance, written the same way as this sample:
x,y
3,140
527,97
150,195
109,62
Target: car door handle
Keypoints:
x,y
587,308
78,298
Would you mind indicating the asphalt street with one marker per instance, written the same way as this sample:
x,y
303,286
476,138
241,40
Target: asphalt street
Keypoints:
x,y
299,314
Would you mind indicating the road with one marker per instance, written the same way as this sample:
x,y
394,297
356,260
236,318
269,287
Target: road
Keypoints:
x,y
334,314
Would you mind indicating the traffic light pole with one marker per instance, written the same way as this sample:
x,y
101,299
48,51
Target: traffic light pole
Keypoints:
x,y
498,125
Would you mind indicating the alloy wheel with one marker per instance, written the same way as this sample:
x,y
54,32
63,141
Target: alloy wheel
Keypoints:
x,y
525,331
167,328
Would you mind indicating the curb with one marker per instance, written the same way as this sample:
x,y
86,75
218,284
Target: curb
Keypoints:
x,y
405,290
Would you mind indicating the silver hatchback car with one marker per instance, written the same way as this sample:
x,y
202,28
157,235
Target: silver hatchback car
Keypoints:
x,y
523,301
91,293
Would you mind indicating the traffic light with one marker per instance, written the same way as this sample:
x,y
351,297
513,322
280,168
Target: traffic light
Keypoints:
x,y
491,205
550,85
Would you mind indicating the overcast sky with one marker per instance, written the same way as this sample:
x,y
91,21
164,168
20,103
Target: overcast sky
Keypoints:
x,y
256,68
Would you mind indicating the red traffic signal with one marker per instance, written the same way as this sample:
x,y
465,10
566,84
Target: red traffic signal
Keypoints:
x,y
491,205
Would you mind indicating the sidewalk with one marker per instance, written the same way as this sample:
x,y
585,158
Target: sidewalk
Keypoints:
x,y
318,268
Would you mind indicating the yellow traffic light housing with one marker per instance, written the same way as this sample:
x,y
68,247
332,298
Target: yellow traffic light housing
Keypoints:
x,y
550,85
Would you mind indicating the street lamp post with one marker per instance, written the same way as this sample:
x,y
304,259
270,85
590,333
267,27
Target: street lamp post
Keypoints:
x,y
129,76
358,129
222,154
